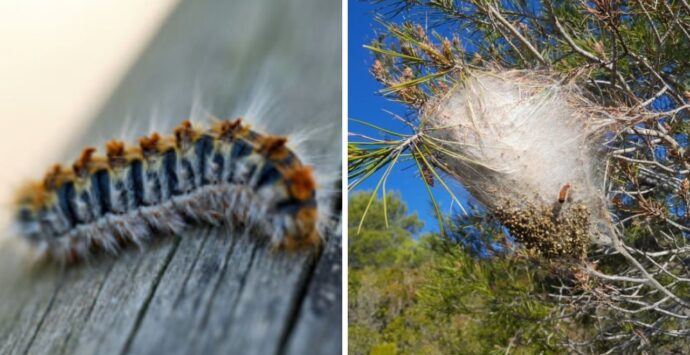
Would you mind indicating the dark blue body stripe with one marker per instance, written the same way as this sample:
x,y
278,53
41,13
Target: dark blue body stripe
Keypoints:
x,y
136,176
169,169
268,175
65,195
203,148
103,190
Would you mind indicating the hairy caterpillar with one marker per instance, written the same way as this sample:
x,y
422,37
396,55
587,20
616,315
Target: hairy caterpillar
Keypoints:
x,y
227,174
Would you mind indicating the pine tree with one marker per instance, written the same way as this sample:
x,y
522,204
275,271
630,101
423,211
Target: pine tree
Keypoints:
x,y
627,59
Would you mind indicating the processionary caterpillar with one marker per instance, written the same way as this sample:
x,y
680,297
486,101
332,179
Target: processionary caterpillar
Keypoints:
x,y
227,174
563,193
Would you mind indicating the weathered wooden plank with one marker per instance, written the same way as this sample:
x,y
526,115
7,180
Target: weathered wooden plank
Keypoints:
x,y
71,305
184,293
322,307
270,293
26,305
225,295
122,301
208,290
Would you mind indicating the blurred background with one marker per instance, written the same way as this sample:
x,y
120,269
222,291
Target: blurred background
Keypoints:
x,y
59,62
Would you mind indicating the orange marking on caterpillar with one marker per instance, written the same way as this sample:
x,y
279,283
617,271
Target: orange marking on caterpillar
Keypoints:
x,y
226,129
57,176
563,193
185,134
306,220
81,167
149,145
115,150
302,183
32,193
273,147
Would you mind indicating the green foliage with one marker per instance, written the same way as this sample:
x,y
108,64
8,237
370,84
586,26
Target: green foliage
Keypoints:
x,y
432,295
497,301
384,349
375,245
398,218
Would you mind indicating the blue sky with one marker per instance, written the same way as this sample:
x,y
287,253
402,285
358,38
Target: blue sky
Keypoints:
x,y
365,104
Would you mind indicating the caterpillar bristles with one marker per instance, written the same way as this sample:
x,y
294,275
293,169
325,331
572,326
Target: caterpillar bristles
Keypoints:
x,y
227,175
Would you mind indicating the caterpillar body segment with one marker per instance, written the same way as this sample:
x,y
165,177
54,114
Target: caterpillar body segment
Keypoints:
x,y
227,174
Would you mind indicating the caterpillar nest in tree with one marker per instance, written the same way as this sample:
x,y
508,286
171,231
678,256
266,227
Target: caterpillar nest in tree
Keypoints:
x,y
228,174
522,143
